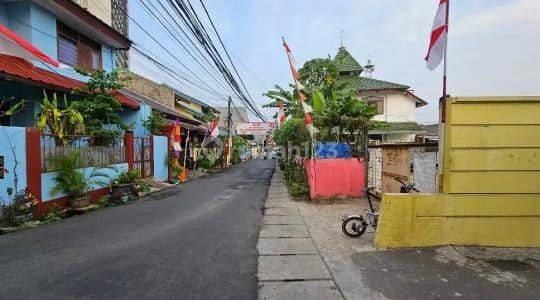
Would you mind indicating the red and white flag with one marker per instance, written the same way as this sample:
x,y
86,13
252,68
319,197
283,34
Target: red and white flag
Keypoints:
x,y
299,87
14,45
281,114
211,133
214,129
439,32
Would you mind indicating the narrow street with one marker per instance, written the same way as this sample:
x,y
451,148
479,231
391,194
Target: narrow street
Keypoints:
x,y
196,241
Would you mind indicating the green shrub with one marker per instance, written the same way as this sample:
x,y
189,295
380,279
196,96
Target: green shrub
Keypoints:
x,y
70,178
295,177
50,217
104,201
129,176
144,187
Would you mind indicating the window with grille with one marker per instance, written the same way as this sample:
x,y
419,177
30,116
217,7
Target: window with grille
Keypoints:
x,y
76,50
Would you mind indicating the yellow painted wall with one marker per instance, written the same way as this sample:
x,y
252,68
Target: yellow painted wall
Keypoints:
x,y
184,112
191,105
491,181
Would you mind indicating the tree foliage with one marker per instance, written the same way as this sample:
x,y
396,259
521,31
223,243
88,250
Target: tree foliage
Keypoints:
x,y
318,73
293,131
155,122
97,102
338,113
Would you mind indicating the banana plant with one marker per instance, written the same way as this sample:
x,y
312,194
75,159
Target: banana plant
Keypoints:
x,y
13,109
60,122
289,99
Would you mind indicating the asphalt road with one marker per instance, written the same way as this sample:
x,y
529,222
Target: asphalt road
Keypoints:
x,y
197,241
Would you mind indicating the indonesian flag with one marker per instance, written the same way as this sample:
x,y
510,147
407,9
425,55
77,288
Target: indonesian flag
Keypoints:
x,y
437,42
214,129
212,134
14,45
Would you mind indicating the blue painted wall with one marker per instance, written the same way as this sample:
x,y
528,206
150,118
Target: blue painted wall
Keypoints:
x,y
47,180
15,136
136,118
43,31
161,171
18,18
38,26
107,55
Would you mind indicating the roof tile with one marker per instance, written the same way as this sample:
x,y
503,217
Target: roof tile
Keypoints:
x,y
366,84
346,63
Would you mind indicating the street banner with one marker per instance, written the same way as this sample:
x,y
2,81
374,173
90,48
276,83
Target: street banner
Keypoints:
x,y
255,128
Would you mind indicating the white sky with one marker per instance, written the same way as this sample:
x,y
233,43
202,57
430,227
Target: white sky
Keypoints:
x,y
493,44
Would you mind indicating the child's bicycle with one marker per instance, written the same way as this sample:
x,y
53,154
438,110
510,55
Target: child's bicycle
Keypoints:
x,y
356,225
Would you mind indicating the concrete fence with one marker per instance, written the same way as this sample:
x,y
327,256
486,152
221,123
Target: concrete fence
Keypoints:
x,y
22,164
490,181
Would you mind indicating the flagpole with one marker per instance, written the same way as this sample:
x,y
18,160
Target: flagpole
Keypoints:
x,y
442,111
446,48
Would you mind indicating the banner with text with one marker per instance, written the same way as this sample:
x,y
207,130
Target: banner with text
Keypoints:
x,y
255,128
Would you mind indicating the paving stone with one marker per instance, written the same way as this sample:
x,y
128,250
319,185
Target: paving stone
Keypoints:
x,y
282,211
278,195
291,267
299,290
284,231
277,246
279,203
283,220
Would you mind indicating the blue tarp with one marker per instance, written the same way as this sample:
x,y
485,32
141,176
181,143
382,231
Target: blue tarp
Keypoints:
x,y
332,150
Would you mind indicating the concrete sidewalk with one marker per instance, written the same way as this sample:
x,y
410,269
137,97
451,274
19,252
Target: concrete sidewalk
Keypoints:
x,y
289,264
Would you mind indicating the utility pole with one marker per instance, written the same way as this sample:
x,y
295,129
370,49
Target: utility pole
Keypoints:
x,y
229,142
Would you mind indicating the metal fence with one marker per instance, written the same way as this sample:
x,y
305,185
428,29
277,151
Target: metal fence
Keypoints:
x,y
95,151
143,160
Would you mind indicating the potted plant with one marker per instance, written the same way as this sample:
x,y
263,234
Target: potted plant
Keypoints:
x,y
19,210
72,181
124,187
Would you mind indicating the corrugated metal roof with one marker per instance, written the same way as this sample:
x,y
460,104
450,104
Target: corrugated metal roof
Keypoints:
x,y
19,69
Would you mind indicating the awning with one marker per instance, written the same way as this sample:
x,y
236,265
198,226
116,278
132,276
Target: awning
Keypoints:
x,y
171,114
21,70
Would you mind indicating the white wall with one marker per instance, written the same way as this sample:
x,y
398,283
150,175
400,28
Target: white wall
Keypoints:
x,y
397,107
425,171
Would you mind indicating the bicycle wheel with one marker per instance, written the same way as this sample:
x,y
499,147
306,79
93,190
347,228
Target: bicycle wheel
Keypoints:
x,y
354,226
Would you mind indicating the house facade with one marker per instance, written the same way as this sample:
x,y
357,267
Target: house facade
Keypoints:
x,y
67,33
192,108
396,103
87,35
